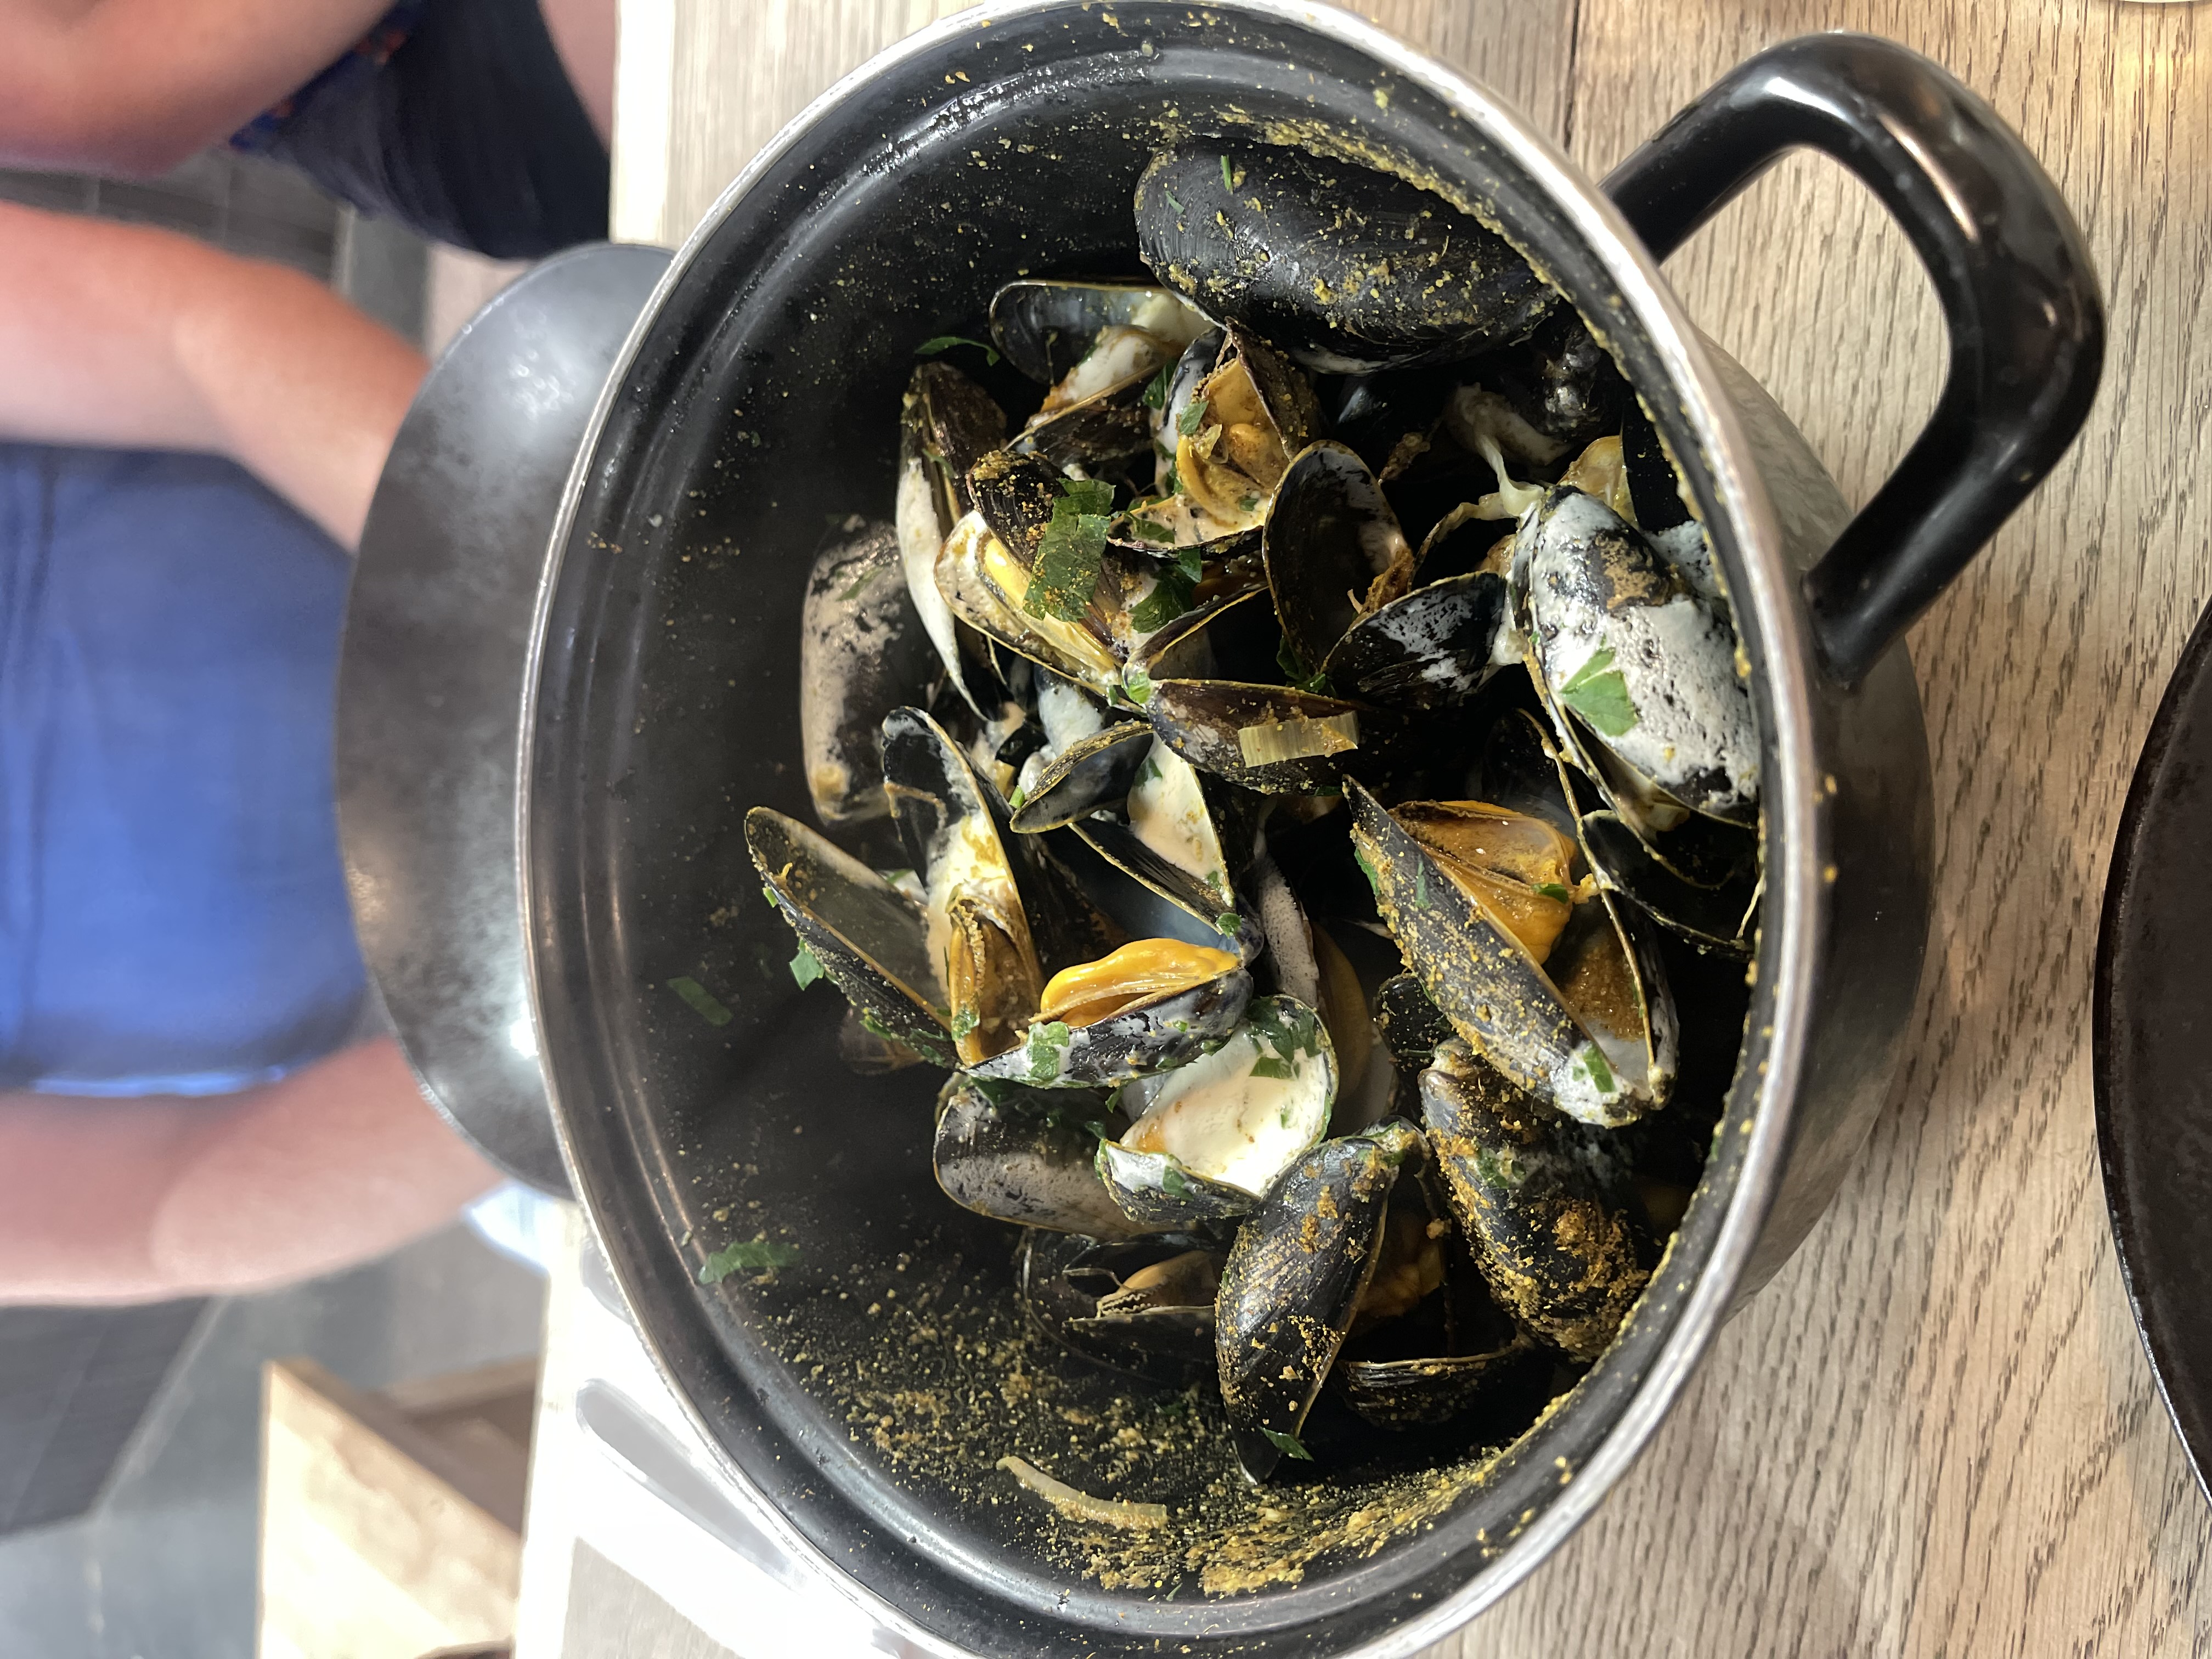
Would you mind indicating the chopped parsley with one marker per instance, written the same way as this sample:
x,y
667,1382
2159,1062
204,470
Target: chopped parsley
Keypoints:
x,y
1149,771
1227,182
748,1255
962,1023
1420,884
805,969
1552,890
1156,394
936,343
1170,598
1597,692
1367,870
1269,1066
1591,1059
1192,418
1138,684
768,893
1150,529
1192,562
1018,800
702,1001
1227,922
1069,551
1048,1047
1172,1182
1289,1445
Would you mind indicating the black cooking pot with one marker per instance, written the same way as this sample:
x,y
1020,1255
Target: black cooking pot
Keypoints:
x,y
866,1389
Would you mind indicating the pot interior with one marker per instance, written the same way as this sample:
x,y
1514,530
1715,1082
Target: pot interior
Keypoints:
x,y
869,1387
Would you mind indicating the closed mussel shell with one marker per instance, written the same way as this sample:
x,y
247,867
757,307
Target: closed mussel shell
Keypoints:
x,y
1531,1190
1026,1157
1624,648
1294,1278
1345,268
869,938
1432,648
862,650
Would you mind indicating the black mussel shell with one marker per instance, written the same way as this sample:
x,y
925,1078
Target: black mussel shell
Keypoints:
x,y
1231,636
1462,541
1345,268
1540,1203
1293,1280
1026,1155
1333,551
1388,416
1560,381
1406,1394
1272,739
952,422
862,651
1016,494
1653,485
1410,1026
1060,1278
1435,647
1091,773
1153,1036
868,936
1719,915
1110,427
1047,326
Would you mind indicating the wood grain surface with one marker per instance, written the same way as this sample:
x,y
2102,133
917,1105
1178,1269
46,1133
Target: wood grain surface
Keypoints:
x,y
1935,1433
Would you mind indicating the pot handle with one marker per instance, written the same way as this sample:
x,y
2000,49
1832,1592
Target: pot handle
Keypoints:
x,y
2019,295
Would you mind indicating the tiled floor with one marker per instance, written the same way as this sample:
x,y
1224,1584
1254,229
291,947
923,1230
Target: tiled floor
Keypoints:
x,y
164,1567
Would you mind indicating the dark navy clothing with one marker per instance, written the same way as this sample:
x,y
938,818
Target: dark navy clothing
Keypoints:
x,y
455,118
172,909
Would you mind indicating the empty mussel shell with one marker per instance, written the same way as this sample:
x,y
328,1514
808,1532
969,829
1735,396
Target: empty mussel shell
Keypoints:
x,y
1210,1138
1346,267
1404,1393
1531,1191
1718,915
1089,774
1144,1307
1275,740
1047,326
1333,551
1567,998
1025,1155
869,938
861,650
946,423
1623,647
1292,1283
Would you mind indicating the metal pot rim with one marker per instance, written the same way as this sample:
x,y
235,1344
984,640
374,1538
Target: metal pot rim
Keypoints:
x,y
1748,538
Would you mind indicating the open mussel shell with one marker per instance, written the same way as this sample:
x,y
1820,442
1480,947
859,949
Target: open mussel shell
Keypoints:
x,y
1590,1030
1275,740
1436,646
1625,648
870,938
1540,1201
1346,267
1292,1283
1046,326
1210,1137
946,423
1091,773
1025,1155
1110,425
862,650
1252,413
1231,637
1333,551
1072,650
1144,1307
1170,1022
1720,915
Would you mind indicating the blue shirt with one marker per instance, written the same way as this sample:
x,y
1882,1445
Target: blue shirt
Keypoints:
x,y
173,908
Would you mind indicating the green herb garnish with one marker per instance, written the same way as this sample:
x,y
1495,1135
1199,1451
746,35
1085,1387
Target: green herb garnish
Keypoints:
x,y
1172,1183
936,343
1151,530
1591,1059
1227,922
1192,418
1191,561
1170,598
1368,870
1269,1065
860,582
1048,1045
962,1023
1598,693
748,1255
1227,183
1149,771
805,969
1552,890
1288,1444
1069,552
1015,801
703,1001
1138,684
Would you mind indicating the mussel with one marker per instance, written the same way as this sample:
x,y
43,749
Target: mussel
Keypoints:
x,y
1344,268
862,650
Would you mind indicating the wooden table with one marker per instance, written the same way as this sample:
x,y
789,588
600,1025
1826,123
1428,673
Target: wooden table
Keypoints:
x,y
1936,1432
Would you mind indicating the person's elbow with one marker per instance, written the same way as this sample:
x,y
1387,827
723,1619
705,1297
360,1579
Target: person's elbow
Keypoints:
x,y
50,124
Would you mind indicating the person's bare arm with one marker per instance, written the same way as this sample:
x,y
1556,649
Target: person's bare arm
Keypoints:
x,y
123,335
137,85
128,1200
